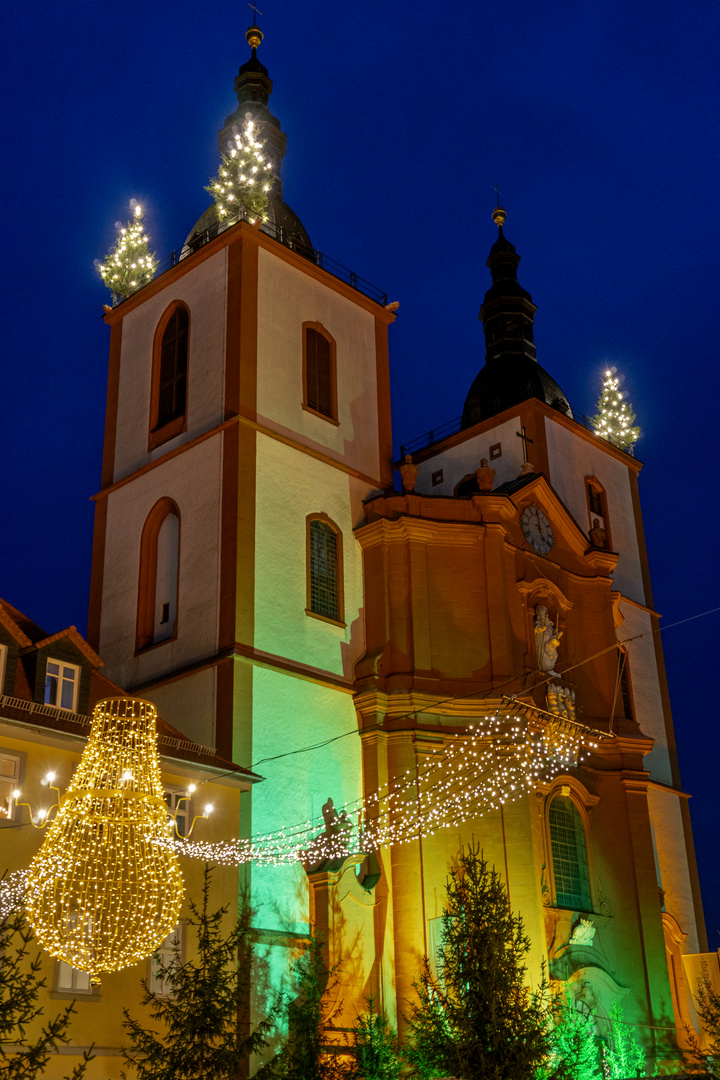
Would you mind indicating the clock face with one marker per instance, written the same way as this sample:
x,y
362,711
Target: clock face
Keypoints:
x,y
537,530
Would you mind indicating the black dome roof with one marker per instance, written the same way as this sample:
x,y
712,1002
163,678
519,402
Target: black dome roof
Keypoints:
x,y
499,386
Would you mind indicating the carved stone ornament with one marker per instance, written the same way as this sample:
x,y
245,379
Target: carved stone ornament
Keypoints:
x,y
485,476
409,473
546,641
561,700
583,933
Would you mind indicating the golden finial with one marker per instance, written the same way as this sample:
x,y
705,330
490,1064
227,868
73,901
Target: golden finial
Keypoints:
x,y
499,216
254,34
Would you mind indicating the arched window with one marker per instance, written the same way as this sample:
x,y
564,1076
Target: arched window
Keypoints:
x,y
319,371
168,405
569,854
597,507
324,569
158,578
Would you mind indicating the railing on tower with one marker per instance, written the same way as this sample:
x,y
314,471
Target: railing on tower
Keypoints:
x,y
284,236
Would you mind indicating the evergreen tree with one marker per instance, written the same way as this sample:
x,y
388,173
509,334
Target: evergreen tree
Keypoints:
x,y
574,1051
615,418
375,1046
304,1055
202,1036
479,1020
130,264
706,1058
624,1058
244,177
20,987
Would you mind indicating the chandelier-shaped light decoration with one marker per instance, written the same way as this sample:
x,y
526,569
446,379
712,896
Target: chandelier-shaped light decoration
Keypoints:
x,y
105,888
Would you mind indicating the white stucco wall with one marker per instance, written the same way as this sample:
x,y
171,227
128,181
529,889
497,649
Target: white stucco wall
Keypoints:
x,y
286,299
189,705
193,480
460,461
572,458
645,685
291,485
204,291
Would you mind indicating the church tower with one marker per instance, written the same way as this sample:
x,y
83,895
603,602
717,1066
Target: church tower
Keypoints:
x,y
247,421
511,575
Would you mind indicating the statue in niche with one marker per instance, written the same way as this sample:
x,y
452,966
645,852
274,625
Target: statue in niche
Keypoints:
x,y
561,700
547,640
597,535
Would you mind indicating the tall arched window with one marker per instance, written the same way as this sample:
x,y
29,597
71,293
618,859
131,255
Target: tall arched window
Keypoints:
x,y
158,578
324,568
569,855
168,405
319,371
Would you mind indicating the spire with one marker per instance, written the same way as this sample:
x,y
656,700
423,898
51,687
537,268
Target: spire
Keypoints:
x,y
507,312
253,87
511,374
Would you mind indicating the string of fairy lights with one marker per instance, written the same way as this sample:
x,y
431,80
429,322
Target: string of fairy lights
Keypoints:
x,y
495,761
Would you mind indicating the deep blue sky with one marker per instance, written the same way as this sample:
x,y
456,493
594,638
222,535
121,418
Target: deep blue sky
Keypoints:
x,y
599,121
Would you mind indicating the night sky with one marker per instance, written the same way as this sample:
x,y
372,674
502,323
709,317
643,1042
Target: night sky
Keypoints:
x,y
598,120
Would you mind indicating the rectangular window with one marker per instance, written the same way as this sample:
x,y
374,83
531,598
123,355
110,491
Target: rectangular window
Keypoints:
x,y
9,782
168,951
437,477
3,667
61,684
72,981
179,807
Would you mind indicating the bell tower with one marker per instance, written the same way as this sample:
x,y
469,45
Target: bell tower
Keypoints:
x,y
226,582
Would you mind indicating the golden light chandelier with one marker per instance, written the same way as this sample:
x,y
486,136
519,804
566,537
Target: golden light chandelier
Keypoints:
x,y
105,888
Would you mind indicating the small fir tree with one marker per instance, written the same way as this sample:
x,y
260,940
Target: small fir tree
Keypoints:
x,y
244,178
304,1055
479,1020
130,264
623,1057
705,1057
20,986
615,419
574,1051
200,1018
375,1047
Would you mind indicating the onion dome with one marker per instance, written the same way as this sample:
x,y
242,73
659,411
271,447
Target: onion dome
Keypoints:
x,y
253,87
511,374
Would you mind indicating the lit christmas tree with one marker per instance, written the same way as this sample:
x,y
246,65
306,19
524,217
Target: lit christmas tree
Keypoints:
x,y
615,419
130,264
244,178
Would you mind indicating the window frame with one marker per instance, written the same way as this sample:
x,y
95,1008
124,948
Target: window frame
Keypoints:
x,y
157,433
339,570
155,984
76,682
147,576
323,332
583,802
18,756
593,485
72,990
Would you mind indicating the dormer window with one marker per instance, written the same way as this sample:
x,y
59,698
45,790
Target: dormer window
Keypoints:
x,y
62,682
